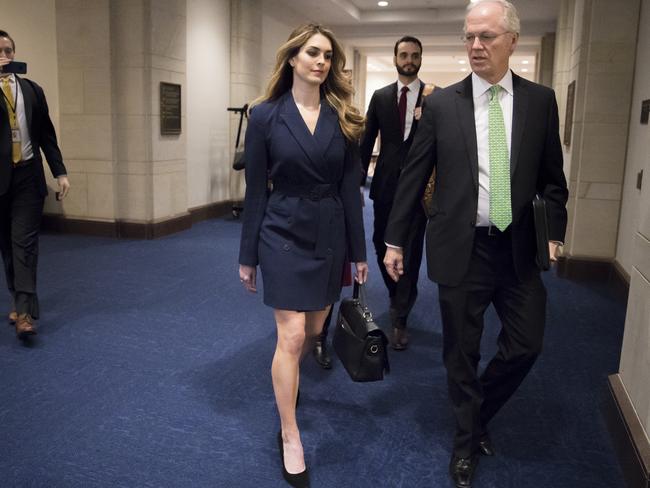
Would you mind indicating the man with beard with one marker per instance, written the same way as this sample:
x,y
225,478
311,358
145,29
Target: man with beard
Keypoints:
x,y
393,112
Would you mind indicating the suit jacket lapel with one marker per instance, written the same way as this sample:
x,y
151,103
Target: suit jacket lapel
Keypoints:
x,y
465,108
28,100
519,108
418,103
293,120
394,107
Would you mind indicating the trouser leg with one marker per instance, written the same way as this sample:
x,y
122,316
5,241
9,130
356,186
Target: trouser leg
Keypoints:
x,y
462,308
521,306
25,220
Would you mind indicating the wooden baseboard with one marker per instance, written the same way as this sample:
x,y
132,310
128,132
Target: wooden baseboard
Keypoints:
x,y
602,270
137,230
628,435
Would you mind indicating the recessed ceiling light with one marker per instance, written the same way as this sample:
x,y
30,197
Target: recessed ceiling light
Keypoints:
x,y
461,61
463,69
525,61
525,70
382,3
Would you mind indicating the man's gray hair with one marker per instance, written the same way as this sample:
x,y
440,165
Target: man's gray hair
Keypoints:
x,y
510,17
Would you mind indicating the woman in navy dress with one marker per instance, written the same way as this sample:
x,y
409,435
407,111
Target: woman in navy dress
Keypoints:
x,y
302,216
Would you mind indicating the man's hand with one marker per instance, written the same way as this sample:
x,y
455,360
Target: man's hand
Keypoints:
x,y
64,186
394,262
554,250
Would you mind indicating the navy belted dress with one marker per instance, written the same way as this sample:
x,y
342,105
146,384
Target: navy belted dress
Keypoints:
x,y
301,231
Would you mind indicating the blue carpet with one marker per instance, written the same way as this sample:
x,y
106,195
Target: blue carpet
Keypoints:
x,y
152,369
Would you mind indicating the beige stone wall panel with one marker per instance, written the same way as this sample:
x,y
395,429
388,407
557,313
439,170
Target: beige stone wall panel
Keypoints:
x,y
635,354
595,228
86,137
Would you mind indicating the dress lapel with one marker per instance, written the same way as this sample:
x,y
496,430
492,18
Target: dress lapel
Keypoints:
x,y
519,108
465,108
296,125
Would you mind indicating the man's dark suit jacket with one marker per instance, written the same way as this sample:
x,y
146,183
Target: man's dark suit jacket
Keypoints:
x,y
446,140
41,133
383,116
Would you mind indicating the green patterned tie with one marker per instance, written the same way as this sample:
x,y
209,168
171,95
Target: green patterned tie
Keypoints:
x,y
500,207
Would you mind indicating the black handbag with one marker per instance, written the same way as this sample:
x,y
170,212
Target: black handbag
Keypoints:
x,y
359,343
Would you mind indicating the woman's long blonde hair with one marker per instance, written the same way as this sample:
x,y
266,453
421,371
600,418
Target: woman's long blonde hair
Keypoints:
x,y
337,87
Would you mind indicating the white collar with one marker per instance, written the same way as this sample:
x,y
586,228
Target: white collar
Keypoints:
x,y
10,77
480,86
414,86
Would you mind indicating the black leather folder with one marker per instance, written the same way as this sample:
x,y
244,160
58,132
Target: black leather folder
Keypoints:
x,y
541,233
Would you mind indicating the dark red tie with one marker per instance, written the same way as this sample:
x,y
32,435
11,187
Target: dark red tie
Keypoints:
x,y
402,108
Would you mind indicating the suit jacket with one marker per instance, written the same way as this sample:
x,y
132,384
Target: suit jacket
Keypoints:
x,y
383,117
41,133
446,140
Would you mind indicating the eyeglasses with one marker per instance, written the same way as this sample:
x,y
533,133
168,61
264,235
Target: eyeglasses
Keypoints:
x,y
484,37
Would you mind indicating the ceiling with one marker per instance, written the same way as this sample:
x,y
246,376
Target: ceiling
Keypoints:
x,y
373,30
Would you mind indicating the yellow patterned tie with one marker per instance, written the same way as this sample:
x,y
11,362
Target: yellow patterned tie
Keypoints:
x,y
500,206
10,100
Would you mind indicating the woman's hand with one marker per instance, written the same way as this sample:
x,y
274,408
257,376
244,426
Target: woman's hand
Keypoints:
x,y
247,275
362,272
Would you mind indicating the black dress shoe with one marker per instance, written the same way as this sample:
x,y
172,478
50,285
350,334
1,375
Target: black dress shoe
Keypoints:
x,y
462,470
485,446
322,355
297,480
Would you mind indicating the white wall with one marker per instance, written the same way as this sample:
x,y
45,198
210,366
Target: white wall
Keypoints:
x,y
638,149
32,25
274,34
208,93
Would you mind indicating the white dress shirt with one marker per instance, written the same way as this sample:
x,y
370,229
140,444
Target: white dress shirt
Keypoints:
x,y
26,143
411,102
480,92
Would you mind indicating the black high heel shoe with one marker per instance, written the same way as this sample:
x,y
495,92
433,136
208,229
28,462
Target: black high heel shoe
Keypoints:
x,y
297,480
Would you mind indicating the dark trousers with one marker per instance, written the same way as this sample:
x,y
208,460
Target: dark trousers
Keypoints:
x,y
403,293
21,209
323,335
521,307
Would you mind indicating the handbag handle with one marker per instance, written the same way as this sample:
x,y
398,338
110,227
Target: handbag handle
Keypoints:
x,y
243,112
359,293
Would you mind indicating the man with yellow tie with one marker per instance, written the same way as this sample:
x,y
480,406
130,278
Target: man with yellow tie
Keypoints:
x,y
25,131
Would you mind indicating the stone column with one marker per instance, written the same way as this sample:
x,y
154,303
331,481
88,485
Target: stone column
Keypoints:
x,y
544,70
148,47
245,75
85,101
602,64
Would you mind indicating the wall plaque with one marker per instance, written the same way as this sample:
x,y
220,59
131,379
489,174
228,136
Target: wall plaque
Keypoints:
x,y
170,108
568,117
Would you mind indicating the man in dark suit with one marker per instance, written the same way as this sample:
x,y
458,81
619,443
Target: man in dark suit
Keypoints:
x,y
393,113
494,141
25,130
